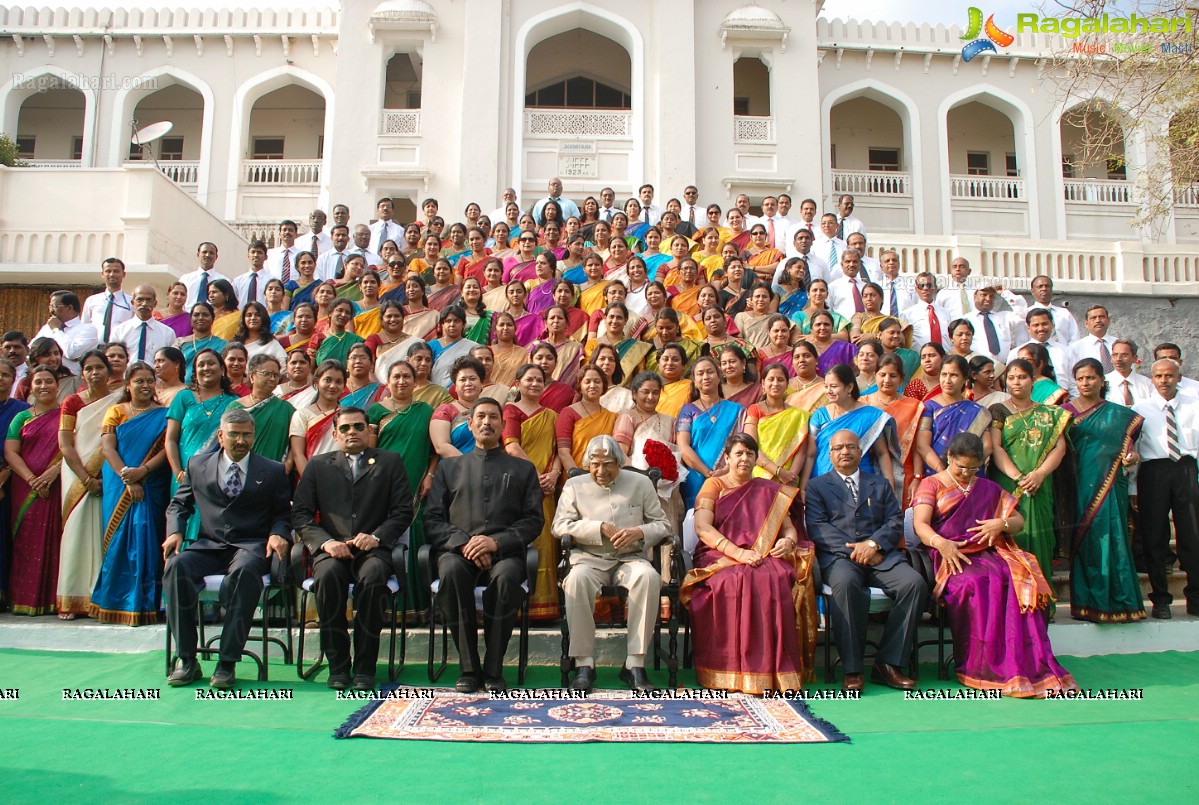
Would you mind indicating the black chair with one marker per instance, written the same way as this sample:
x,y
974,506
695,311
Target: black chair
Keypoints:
x,y
924,566
277,594
670,589
428,575
301,562
879,602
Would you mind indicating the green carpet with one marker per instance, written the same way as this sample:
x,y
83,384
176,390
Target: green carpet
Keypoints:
x,y
182,750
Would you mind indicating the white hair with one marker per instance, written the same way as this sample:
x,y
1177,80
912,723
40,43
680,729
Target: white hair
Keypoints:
x,y
607,446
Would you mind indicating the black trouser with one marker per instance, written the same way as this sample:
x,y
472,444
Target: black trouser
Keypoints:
x,y
1165,487
184,578
850,583
501,602
368,571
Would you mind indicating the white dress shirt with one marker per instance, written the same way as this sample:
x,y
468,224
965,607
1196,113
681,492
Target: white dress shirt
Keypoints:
x,y
606,213
857,482
274,262
1152,444
1188,387
1065,327
193,281
241,286
818,269
568,207
905,297
917,315
96,304
74,338
790,236
950,300
1006,328
1088,347
849,224
1139,387
326,264
158,335
224,463
1062,368
823,248
372,258
701,215
840,295
655,214
871,269
781,225
395,232
323,242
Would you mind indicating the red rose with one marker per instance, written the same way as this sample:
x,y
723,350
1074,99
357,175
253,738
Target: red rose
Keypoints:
x,y
659,456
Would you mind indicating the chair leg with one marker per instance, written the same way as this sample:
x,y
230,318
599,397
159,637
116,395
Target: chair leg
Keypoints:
x,y
523,665
828,642
170,665
565,662
672,658
435,671
263,673
311,670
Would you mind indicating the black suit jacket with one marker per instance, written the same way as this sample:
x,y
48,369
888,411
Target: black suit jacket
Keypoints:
x,y
833,520
379,502
246,520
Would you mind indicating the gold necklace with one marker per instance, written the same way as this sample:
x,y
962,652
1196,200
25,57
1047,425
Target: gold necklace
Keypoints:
x,y
964,490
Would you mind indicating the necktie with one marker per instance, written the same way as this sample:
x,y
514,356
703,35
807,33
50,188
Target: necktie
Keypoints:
x,y
233,482
965,301
832,254
894,300
1105,356
285,274
992,334
339,270
841,228
202,293
645,215
1127,394
934,326
382,237
770,231
353,466
858,305
108,318
141,342
853,489
691,215
316,244
252,296
1173,450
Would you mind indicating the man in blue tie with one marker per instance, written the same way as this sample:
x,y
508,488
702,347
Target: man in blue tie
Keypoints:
x,y
143,335
197,281
107,309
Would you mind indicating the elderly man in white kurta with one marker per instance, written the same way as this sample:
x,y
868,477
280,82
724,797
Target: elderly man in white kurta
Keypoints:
x,y
615,519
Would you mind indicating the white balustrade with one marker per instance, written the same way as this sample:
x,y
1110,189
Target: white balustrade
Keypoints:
x,y
181,172
1187,196
748,129
1007,188
404,122
1099,191
614,124
873,183
54,163
282,171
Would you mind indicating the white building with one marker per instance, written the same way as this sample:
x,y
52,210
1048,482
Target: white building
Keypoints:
x,y
276,112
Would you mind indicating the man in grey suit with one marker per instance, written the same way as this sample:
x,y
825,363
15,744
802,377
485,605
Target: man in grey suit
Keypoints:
x,y
615,519
857,525
243,501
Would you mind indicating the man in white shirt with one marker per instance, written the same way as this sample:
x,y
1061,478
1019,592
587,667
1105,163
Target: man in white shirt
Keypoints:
x,y
281,260
197,281
67,329
785,204
251,286
107,309
330,263
499,214
955,298
871,270
143,335
1168,483
845,293
341,215
1040,331
316,239
742,203
1125,385
1187,386
691,211
607,202
568,207
807,220
385,228
14,347
897,291
362,239
846,223
776,225
1065,327
995,331
817,268
930,321
650,214
828,246
1096,343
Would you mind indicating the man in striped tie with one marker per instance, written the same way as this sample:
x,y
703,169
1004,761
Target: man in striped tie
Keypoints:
x,y
1168,484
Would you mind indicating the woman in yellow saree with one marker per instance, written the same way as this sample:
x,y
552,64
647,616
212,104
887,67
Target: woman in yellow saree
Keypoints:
x,y
587,418
780,430
673,366
227,316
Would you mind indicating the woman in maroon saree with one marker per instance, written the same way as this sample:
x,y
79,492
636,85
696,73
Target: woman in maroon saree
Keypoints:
x,y
750,595
995,592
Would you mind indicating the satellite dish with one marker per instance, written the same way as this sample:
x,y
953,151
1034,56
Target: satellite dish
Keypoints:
x,y
151,132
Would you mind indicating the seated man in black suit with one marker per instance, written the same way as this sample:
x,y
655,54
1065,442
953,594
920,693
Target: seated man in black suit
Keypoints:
x,y
857,525
352,506
484,510
242,500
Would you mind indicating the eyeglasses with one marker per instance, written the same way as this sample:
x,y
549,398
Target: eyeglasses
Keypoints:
x,y
269,375
528,240
394,264
926,285
357,427
757,232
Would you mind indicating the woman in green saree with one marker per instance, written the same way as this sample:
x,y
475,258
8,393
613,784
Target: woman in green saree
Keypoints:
x,y
272,414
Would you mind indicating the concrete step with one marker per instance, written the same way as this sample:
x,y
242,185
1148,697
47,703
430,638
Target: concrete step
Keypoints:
x,y
1061,585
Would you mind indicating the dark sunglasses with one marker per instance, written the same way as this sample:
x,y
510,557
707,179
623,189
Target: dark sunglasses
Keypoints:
x,y
351,426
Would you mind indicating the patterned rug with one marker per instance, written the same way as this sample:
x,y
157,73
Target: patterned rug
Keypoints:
x,y
438,714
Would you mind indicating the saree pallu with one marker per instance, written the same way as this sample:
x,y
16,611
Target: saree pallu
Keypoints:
x,y
754,329
754,627
541,297
1048,392
709,430
631,353
129,589
570,361
407,432
763,263
538,440
363,397
8,409
303,294
911,364
747,396
495,299
837,352
529,328
740,239
422,324
810,399
710,265
431,395
440,300
198,424
995,604
467,269
674,396
353,292
686,301
506,364
444,358
585,429
781,436
336,347
272,419
300,398
947,421
557,396
181,324
478,330
870,327
1104,586
692,349
577,321
225,326
36,521
516,270
281,322
783,359
804,322
318,436
591,299
906,414
190,348
867,422
575,275
80,555
793,302
655,261
1028,437
367,323
293,342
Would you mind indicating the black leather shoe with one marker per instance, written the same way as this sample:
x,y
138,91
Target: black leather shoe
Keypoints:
x,y
584,679
222,678
185,672
1162,612
363,682
467,683
495,684
636,679
339,681
1192,609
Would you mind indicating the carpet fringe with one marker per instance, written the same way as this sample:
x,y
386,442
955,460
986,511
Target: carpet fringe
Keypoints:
x,y
359,716
826,728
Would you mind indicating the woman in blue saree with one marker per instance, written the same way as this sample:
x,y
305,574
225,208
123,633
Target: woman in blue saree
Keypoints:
x,y
703,426
846,411
129,588
950,413
448,428
362,389
792,287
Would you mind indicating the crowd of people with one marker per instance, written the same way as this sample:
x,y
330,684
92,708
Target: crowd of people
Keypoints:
x,y
816,414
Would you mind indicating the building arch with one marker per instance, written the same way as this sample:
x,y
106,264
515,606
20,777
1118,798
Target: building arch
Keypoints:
x,y
25,85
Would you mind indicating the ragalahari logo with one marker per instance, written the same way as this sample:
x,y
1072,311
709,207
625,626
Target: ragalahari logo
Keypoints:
x,y
994,35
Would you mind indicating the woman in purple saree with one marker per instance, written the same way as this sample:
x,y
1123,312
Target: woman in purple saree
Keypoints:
x,y
995,592
750,595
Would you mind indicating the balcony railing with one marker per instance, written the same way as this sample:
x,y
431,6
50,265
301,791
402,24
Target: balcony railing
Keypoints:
x,y
1005,188
282,171
615,124
873,183
1187,196
748,129
1099,191
403,122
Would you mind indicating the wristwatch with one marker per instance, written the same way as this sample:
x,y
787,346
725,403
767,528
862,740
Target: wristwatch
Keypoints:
x,y
874,545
